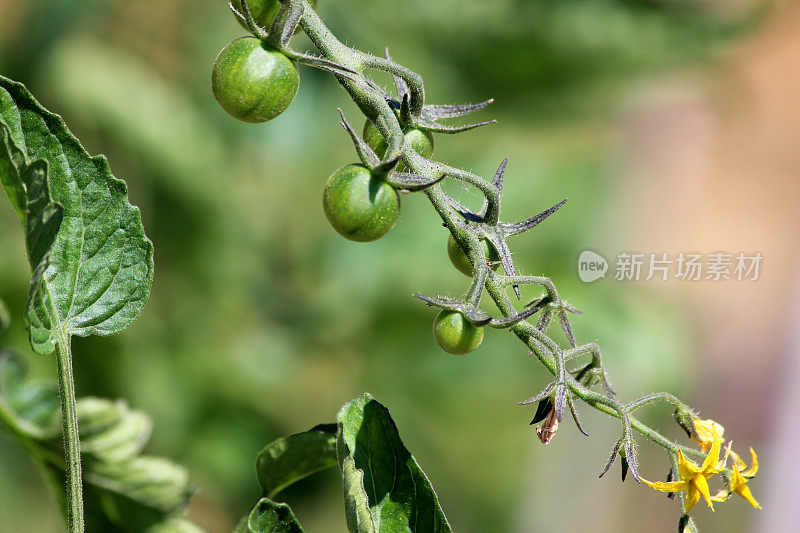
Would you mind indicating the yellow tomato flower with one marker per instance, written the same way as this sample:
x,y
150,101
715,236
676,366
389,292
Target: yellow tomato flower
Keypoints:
x,y
740,474
693,478
706,431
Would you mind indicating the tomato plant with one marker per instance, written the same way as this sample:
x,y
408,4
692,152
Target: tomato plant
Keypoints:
x,y
360,205
92,268
253,82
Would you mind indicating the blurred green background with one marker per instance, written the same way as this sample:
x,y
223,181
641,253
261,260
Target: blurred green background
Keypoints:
x,y
263,321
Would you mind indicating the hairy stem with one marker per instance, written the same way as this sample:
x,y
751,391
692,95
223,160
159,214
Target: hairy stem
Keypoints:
x,y
71,438
373,104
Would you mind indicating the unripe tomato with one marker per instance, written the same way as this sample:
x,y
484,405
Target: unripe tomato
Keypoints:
x,y
253,82
264,11
455,334
460,259
360,205
420,141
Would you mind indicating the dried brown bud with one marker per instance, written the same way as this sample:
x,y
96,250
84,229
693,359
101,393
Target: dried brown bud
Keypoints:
x,y
548,429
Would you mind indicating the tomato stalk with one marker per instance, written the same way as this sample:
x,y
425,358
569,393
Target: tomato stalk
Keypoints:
x,y
70,433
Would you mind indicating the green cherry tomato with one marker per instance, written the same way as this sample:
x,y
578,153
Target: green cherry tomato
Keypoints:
x,y
455,334
253,82
421,141
461,261
360,205
264,11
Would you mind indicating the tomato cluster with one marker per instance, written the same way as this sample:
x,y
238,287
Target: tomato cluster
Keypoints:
x,y
254,83
361,204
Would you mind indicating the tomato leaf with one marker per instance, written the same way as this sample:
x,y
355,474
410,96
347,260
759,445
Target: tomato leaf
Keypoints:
x,y
290,459
385,488
135,495
269,517
29,409
112,432
92,263
124,491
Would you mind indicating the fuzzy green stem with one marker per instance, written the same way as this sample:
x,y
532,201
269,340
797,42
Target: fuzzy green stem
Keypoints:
x,y
71,438
375,108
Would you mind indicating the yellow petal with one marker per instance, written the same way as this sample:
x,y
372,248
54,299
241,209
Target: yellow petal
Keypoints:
x,y
744,492
706,429
701,485
666,486
686,469
692,497
713,456
751,472
736,479
739,486
738,460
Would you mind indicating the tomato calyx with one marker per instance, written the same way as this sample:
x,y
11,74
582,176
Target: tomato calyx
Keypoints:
x,y
485,224
264,12
283,27
386,169
428,117
476,316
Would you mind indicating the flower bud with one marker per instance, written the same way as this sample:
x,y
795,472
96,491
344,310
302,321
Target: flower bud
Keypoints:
x,y
685,419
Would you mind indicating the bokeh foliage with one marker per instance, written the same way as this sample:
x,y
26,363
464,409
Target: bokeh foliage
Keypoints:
x,y
262,320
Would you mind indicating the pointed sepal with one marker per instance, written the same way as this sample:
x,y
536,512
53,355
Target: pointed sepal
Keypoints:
x,y
406,182
575,417
405,117
454,111
434,127
611,459
368,157
473,315
400,83
497,181
525,225
542,410
246,17
542,395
